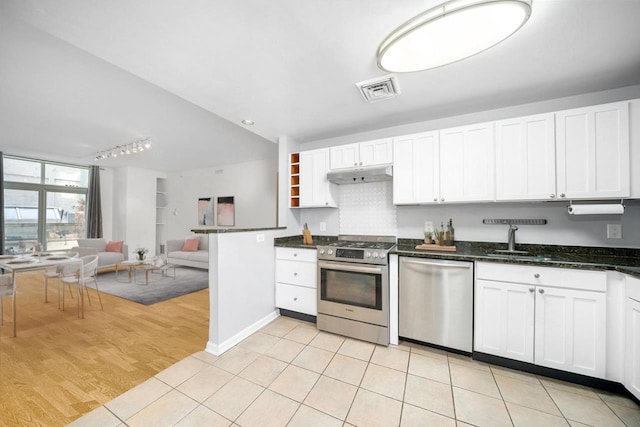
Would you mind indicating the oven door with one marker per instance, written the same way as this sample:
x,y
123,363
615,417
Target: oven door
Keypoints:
x,y
354,291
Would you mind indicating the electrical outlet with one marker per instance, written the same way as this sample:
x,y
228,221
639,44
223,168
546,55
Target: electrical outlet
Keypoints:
x,y
428,226
614,231
259,237
323,226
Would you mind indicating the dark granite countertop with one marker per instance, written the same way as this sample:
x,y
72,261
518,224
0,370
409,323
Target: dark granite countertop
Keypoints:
x,y
232,230
587,258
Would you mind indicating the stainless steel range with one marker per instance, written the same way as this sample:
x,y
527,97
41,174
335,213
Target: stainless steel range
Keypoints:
x,y
353,287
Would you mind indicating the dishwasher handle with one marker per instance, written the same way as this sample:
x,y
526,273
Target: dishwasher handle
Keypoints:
x,y
437,264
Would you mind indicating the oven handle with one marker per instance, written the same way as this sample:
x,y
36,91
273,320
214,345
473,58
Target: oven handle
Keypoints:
x,y
356,268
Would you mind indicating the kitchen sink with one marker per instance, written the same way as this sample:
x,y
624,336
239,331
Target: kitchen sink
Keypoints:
x,y
520,256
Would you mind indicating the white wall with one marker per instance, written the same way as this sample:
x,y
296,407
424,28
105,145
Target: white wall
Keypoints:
x,y
252,184
134,207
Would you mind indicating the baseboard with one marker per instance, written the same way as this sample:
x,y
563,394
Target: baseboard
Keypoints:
x,y
218,349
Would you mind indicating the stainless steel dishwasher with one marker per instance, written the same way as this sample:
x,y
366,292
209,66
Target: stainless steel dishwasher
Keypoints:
x,y
436,302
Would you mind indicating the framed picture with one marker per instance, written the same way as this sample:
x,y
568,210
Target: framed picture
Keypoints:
x,y
226,212
205,211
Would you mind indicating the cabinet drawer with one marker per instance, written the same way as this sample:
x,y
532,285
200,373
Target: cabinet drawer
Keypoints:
x,y
299,273
297,254
296,298
543,276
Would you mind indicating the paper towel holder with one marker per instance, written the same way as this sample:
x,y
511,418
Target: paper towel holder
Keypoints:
x,y
597,209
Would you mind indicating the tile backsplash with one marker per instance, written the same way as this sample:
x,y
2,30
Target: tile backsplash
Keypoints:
x,y
367,209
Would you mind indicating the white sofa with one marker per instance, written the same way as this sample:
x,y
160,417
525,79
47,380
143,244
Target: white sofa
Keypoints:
x,y
198,259
97,247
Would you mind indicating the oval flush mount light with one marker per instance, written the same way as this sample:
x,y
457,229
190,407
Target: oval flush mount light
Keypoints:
x,y
450,32
248,122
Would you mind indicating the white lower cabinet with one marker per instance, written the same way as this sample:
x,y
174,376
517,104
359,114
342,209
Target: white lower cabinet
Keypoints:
x,y
548,316
632,344
296,280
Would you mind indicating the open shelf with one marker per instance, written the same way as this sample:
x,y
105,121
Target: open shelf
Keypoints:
x,y
294,180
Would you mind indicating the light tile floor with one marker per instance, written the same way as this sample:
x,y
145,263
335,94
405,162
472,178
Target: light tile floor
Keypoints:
x,y
290,374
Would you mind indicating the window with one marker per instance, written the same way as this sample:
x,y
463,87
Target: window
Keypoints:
x,y
43,202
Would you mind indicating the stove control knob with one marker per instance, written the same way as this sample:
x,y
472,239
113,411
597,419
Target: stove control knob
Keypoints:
x,y
375,254
330,252
321,251
367,254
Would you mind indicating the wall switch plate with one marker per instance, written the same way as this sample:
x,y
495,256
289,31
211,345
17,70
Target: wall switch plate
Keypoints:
x,y
323,226
614,231
259,237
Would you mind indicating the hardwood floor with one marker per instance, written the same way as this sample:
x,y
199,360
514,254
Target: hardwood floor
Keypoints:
x,y
61,367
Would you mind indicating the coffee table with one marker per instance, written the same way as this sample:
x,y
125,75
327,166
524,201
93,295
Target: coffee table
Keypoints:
x,y
151,268
130,265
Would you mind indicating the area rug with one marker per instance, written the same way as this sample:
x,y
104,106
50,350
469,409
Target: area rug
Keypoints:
x,y
160,288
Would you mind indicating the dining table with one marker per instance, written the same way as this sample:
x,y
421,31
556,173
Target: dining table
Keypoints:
x,y
30,262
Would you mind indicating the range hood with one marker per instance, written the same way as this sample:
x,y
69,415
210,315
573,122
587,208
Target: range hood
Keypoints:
x,y
361,175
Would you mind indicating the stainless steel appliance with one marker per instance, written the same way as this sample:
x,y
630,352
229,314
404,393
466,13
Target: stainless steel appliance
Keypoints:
x,y
353,287
436,302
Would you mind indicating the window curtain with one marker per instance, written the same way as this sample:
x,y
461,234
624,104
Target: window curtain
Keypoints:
x,y
94,205
1,203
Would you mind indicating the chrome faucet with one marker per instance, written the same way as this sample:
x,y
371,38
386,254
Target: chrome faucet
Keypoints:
x,y
511,243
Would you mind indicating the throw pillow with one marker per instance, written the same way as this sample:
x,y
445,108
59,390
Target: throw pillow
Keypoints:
x,y
114,246
190,245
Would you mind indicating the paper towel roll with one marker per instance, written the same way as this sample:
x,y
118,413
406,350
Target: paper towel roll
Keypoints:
x,y
604,209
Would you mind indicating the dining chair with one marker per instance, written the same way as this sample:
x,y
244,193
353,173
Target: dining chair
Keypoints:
x,y
56,273
79,274
6,289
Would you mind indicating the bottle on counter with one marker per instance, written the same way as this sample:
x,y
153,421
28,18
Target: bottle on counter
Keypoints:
x,y
452,239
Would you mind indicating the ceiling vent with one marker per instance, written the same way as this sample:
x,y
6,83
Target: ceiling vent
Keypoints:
x,y
380,88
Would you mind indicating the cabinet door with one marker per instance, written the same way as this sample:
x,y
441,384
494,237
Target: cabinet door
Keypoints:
x,y
504,319
344,156
632,353
592,146
570,330
467,164
526,158
378,152
415,169
315,189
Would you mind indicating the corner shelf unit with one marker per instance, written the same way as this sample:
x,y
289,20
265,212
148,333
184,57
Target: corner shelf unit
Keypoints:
x,y
294,180
161,213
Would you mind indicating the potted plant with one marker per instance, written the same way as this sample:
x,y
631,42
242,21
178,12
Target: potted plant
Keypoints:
x,y
141,253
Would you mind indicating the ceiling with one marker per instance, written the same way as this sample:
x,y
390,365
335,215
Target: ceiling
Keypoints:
x,y
77,76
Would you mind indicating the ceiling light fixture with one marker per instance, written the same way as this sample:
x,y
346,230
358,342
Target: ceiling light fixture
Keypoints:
x,y
454,30
132,147
248,122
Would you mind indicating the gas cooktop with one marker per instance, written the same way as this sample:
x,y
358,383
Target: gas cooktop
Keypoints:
x,y
363,249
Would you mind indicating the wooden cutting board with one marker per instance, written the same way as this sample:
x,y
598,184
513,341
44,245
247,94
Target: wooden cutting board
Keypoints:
x,y
426,247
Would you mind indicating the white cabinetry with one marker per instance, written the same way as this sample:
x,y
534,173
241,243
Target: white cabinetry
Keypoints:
x,y
369,153
526,158
467,164
562,311
592,151
296,280
416,173
632,350
315,189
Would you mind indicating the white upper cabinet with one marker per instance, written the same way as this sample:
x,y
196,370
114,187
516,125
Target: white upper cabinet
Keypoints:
x,y
592,151
416,174
467,164
369,153
315,189
526,158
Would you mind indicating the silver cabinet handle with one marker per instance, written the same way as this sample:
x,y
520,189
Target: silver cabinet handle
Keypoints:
x,y
355,164
541,291
532,289
442,199
360,163
537,275
562,195
295,298
295,274
435,199
295,254
553,196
